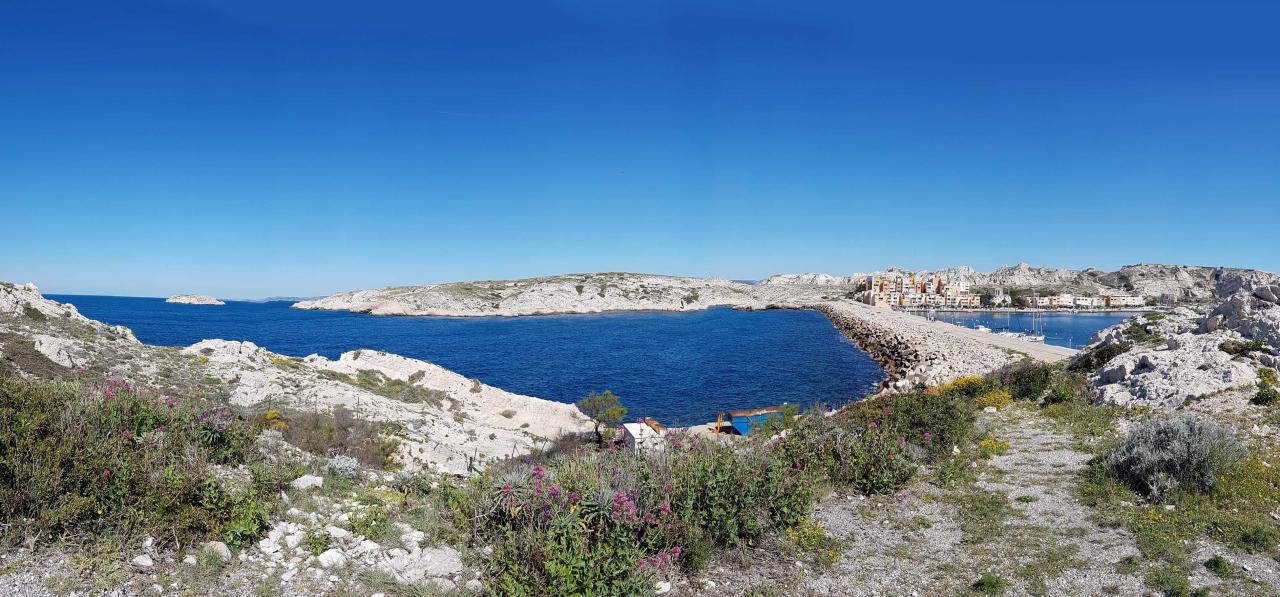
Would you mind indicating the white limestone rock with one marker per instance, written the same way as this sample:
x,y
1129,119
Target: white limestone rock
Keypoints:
x,y
193,299
306,482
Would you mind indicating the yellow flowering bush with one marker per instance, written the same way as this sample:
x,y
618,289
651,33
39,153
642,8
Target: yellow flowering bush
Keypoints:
x,y
995,398
990,446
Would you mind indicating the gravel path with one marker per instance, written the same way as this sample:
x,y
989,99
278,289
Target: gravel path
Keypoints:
x,y
1019,521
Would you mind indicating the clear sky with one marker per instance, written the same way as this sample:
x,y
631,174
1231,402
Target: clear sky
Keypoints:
x,y
245,150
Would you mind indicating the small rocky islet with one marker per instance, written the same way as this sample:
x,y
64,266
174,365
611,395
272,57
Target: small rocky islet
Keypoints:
x,y
1005,511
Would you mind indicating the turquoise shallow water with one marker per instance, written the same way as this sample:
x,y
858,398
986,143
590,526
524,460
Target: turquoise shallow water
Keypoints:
x,y
680,368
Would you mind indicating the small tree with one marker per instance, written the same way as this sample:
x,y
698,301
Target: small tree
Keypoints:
x,y
604,409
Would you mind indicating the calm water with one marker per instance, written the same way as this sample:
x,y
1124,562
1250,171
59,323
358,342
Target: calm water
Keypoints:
x,y
1072,330
680,368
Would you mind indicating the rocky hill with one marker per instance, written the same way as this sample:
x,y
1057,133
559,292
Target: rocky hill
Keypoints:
x,y
571,293
1181,283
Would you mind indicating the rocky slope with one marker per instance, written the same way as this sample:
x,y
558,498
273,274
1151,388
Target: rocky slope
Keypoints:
x,y
193,299
1168,359
1174,282
573,293
445,421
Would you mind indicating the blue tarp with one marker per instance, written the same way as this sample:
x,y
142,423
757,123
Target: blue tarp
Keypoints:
x,y
743,424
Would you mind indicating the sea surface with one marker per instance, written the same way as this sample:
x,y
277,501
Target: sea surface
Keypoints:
x,y
1071,330
680,368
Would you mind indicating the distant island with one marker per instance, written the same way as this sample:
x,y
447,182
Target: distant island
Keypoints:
x,y
193,299
1021,285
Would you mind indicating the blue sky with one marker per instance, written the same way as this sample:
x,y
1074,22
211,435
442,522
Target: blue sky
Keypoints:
x,y
307,147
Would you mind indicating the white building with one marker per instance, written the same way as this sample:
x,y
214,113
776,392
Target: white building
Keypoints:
x,y
644,435
1123,300
1089,302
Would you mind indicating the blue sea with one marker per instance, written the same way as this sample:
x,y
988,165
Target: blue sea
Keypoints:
x,y
680,368
1071,330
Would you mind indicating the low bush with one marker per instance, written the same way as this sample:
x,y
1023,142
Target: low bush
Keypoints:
x,y
1162,457
1140,333
341,433
1267,392
1237,347
934,423
1026,380
990,446
1095,358
111,459
994,399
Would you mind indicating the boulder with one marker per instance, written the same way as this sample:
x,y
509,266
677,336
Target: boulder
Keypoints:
x,y
306,482
332,558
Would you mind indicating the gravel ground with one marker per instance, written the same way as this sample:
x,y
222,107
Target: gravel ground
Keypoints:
x,y
923,541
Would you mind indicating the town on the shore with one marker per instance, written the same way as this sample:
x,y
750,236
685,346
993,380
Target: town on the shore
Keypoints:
x,y
906,291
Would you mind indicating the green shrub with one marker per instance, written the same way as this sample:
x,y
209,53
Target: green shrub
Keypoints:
x,y
1164,456
33,313
1141,333
990,584
114,459
933,422
1237,348
371,521
1267,395
315,541
341,433
1095,358
1026,380
994,399
1267,376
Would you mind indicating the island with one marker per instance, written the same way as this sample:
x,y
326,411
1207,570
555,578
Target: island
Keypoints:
x,y
193,299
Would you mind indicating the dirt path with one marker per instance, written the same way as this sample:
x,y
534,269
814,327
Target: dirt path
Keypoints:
x,y
1015,517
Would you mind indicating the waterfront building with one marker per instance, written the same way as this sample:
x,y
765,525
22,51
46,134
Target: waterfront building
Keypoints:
x,y
1123,300
909,292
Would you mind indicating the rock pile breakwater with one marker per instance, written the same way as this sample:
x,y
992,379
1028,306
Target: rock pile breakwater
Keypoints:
x,y
916,351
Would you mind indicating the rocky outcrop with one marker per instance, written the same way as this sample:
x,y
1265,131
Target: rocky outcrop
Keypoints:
x,y
193,299
574,293
444,421
1166,282
1187,354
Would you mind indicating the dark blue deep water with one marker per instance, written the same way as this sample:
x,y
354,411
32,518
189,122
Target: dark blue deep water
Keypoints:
x,y
680,368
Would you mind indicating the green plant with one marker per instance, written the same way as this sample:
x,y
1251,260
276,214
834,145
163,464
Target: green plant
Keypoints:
x,y
994,399
33,313
603,408
1162,456
990,446
990,584
111,458
1219,566
1092,359
1237,347
372,522
1170,580
1026,380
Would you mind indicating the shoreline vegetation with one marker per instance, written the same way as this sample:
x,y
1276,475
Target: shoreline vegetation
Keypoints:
x,y
215,485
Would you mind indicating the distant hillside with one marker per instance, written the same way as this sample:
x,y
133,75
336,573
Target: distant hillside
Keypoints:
x,y
1181,283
